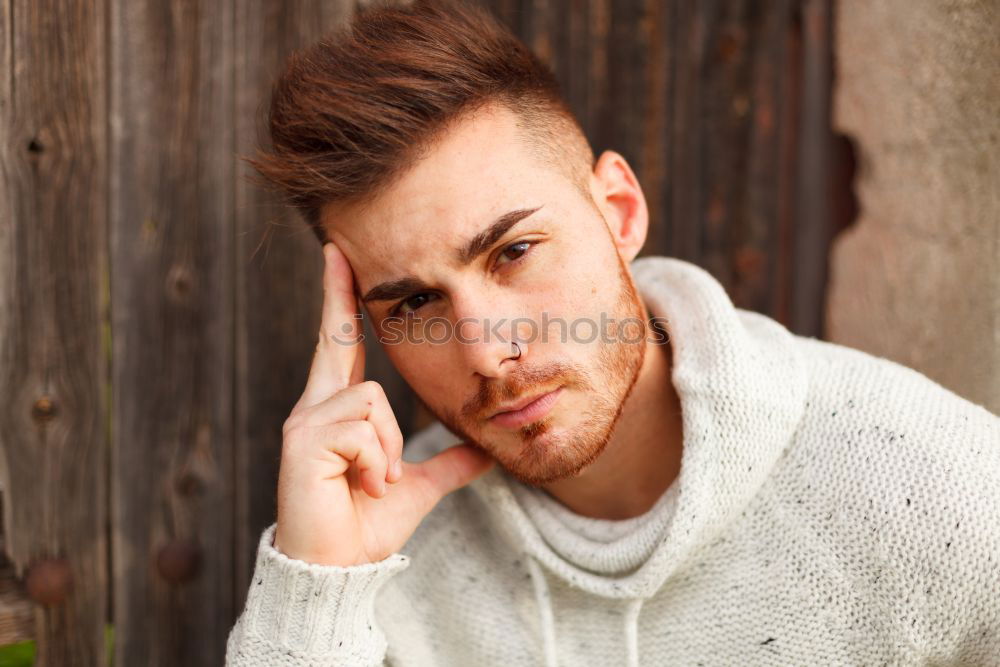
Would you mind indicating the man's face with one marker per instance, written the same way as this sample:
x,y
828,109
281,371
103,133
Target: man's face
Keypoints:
x,y
554,281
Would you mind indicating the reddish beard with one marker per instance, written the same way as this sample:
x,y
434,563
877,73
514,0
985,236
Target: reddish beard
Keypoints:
x,y
538,462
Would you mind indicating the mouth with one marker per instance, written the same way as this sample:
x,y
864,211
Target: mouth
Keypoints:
x,y
526,410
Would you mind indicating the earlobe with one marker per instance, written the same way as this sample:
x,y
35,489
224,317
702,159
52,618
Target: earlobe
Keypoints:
x,y
619,197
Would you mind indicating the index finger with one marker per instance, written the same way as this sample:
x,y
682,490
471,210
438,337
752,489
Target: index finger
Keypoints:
x,y
339,333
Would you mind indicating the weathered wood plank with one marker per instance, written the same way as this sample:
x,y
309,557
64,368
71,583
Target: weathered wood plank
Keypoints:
x,y
172,328
655,146
814,195
53,428
755,227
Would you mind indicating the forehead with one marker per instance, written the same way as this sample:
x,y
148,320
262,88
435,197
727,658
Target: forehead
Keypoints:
x,y
479,170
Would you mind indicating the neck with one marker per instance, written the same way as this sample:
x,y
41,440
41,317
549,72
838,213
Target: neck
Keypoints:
x,y
643,455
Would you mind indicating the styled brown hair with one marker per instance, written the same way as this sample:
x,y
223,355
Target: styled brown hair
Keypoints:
x,y
351,113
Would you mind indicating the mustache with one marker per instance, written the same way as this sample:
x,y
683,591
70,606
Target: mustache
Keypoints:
x,y
521,382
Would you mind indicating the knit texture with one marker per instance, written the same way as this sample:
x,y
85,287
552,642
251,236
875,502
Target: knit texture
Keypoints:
x,y
832,508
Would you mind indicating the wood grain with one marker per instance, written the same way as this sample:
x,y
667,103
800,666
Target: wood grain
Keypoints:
x,y
172,291
53,264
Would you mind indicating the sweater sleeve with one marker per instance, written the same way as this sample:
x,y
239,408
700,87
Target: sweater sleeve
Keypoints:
x,y
299,613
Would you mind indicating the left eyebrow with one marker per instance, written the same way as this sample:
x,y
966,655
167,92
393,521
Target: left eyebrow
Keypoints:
x,y
485,239
477,245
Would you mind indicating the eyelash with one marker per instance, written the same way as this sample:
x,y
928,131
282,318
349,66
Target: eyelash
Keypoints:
x,y
395,309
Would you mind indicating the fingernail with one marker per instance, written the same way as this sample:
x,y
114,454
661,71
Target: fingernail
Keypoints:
x,y
397,469
381,488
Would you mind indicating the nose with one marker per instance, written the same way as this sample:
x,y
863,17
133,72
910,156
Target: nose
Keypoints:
x,y
487,345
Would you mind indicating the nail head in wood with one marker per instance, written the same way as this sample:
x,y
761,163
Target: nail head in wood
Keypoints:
x,y
179,561
49,581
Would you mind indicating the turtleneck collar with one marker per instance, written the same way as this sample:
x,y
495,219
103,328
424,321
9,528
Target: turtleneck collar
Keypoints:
x,y
603,546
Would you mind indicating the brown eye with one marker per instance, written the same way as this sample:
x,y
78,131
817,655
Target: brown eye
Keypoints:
x,y
515,251
409,305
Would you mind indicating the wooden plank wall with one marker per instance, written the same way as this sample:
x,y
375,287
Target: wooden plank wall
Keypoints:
x,y
172,318
158,310
53,308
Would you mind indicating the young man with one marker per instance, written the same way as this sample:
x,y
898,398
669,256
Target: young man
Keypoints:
x,y
726,494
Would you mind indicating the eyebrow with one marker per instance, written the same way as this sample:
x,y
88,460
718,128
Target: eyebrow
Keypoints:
x,y
476,246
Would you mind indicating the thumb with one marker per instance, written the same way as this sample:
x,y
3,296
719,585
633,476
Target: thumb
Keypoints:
x,y
452,469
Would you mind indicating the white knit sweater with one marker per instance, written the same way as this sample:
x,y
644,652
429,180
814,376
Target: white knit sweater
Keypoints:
x,y
832,508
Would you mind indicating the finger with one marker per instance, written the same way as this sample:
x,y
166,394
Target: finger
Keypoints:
x,y
338,341
445,472
343,444
363,401
358,372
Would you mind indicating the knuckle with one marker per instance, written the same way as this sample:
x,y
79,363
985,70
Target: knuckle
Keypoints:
x,y
292,440
373,389
360,431
371,443
368,431
292,423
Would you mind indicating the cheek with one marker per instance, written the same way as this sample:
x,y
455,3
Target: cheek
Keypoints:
x,y
574,296
425,368
587,275
587,303
408,360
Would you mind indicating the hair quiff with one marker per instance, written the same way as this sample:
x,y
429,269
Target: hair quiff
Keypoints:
x,y
350,114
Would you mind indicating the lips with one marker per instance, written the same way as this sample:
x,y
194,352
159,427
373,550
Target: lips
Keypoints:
x,y
513,407
532,409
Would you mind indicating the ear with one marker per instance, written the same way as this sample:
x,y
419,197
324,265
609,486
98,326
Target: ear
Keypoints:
x,y
618,195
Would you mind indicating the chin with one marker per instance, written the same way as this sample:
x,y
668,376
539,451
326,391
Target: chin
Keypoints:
x,y
548,454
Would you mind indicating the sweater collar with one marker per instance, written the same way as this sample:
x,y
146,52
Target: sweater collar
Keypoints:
x,y
742,386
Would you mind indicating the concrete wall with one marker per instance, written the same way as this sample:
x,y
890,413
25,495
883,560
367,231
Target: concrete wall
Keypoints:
x,y
917,278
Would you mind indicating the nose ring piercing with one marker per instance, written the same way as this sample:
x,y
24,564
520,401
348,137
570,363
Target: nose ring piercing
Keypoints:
x,y
518,347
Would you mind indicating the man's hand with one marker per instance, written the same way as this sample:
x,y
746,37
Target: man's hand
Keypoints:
x,y
341,444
